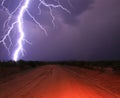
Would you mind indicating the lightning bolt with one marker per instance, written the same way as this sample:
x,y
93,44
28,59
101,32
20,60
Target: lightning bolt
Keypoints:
x,y
19,23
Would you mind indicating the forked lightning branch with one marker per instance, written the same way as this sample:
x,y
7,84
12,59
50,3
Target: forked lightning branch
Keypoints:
x,y
22,8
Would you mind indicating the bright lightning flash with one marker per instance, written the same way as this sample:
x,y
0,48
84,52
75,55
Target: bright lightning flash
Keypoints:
x,y
19,22
20,27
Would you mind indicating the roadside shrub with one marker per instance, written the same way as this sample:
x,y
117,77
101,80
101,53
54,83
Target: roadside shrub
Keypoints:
x,y
116,68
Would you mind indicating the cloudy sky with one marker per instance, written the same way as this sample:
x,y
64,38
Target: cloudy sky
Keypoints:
x,y
90,32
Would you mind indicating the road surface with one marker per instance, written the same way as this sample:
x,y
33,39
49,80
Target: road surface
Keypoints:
x,y
53,82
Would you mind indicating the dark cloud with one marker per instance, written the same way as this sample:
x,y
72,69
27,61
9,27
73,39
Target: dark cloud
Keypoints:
x,y
90,32
78,7
100,29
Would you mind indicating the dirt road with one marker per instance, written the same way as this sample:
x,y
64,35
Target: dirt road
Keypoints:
x,y
53,82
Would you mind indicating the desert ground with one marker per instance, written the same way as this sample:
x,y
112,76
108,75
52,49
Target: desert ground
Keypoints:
x,y
54,81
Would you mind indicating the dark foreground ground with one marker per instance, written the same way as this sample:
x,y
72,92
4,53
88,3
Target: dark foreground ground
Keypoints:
x,y
54,81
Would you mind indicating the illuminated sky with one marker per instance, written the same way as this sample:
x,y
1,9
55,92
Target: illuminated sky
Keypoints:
x,y
90,32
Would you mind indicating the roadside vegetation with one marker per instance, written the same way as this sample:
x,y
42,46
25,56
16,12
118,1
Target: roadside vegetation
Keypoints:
x,y
11,67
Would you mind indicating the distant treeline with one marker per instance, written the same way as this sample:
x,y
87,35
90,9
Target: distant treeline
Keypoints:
x,y
9,67
72,63
94,65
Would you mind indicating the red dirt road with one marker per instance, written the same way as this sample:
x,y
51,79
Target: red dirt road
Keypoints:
x,y
53,82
